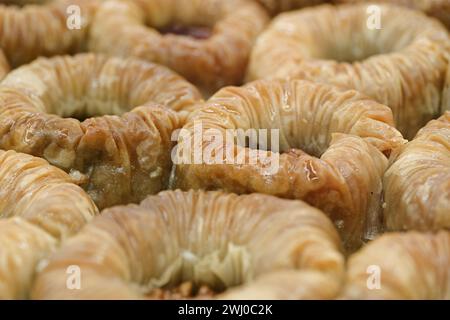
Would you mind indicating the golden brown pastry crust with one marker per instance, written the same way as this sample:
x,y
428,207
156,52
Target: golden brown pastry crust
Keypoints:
x,y
210,63
39,207
41,29
42,194
343,128
402,65
417,184
255,243
446,94
4,65
23,245
412,265
120,159
277,6
439,9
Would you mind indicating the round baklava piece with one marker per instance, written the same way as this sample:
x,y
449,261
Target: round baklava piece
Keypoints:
x,y
393,54
417,183
206,41
106,121
314,142
411,265
40,207
34,28
180,244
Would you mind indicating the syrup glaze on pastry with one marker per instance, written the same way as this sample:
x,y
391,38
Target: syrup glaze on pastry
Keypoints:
x,y
342,136
401,65
260,246
122,153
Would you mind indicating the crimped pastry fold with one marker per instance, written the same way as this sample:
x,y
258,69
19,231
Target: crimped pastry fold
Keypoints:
x,y
439,9
40,207
417,183
410,265
22,245
41,28
340,134
211,63
122,153
221,240
402,65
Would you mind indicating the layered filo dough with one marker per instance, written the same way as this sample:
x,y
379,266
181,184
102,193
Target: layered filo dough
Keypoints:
x,y
107,121
399,60
332,149
439,9
241,247
212,58
224,149
34,28
417,183
410,265
40,207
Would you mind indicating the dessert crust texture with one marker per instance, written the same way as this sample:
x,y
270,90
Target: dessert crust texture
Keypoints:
x,y
224,149
330,153
402,65
417,183
44,28
40,207
121,151
4,65
260,246
439,9
446,94
409,265
211,63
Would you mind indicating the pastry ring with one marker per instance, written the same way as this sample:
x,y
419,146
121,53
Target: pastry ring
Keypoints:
x,y
44,28
122,153
216,53
439,9
401,266
250,246
40,206
342,136
394,55
417,183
